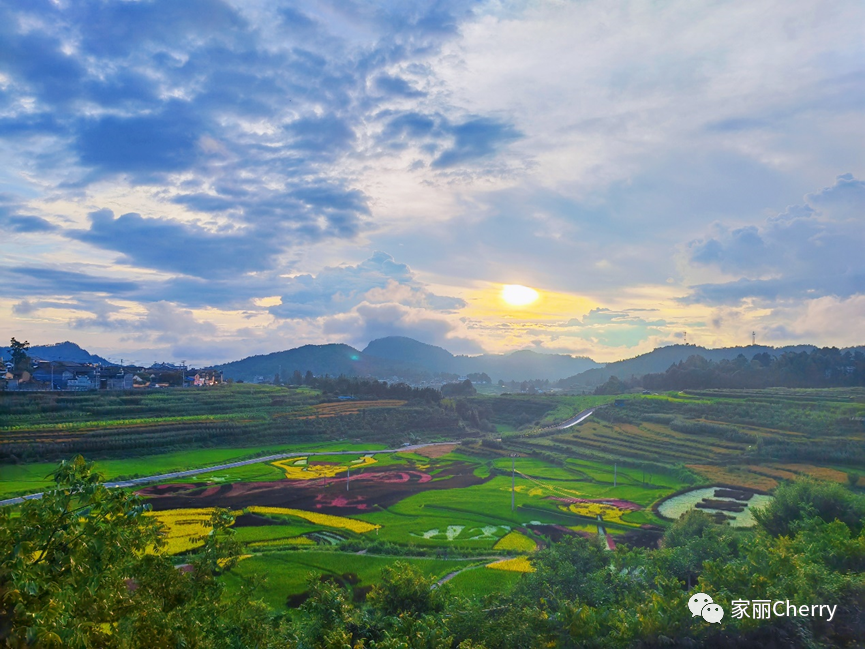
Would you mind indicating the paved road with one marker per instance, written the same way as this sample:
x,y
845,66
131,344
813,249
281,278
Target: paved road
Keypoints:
x,y
268,458
573,421
576,419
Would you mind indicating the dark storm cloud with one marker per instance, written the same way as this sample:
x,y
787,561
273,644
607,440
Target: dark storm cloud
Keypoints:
x,y
809,250
179,247
474,139
453,144
158,143
326,135
12,220
118,29
30,281
396,86
241,115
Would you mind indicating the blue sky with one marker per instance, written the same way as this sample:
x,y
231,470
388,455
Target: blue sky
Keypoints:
x,y
205,180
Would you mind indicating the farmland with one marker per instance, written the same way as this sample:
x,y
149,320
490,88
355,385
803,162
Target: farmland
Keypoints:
x,y
458,511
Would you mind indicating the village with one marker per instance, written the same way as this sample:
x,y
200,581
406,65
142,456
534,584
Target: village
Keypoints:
x,y
42,375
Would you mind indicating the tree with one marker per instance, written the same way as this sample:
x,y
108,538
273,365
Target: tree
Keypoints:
x,y
689,542
404,589
464,389
82,567
613,386
20,358
798,502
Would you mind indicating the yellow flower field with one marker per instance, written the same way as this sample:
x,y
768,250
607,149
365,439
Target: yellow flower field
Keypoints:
x,y
298,468
591,510
224,561
515,541
294,540
518,564
184,529
339,522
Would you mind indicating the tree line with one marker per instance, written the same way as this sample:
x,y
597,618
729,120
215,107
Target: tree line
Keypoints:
x,y
819,368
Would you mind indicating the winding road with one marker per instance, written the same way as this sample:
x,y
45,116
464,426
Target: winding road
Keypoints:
x,y
219,467
573,421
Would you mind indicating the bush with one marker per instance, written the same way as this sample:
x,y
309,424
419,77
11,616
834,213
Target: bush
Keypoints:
x,y
798,502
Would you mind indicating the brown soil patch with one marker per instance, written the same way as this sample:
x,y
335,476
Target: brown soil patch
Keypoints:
x,y
367,491
435,451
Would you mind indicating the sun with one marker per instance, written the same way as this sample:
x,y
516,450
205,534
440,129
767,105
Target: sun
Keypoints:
x,y
517,295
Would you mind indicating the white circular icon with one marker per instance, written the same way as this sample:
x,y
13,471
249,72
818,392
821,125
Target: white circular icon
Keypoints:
x,y
697,602
712,613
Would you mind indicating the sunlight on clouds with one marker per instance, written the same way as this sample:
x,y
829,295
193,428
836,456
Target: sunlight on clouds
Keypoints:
x,y
488,303
273,300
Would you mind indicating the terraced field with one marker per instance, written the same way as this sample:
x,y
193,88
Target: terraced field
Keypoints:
x,y
448,509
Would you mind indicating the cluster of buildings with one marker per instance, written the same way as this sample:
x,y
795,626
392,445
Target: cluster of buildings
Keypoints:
x,y
69,376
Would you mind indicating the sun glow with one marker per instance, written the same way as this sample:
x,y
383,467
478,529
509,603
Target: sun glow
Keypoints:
x,y
517,295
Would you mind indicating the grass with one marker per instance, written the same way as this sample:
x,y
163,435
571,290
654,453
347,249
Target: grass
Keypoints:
x,y
288,573
16,479
475,583
270,532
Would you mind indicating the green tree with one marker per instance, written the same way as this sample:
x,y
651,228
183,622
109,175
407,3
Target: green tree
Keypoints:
x,y
20,358
797,502
81,567
575,568
403,589
692,540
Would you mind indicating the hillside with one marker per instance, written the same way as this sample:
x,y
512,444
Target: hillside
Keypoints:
x,y
334,359
406,359
516,366
66,351
660,359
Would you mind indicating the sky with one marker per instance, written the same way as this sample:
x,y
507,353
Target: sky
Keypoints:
x,y
207,180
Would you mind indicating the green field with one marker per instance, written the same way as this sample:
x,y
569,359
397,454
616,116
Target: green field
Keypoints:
x,y
446,513
18,479
479,581
288,573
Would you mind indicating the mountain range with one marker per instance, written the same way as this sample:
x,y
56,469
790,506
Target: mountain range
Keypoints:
x,y
406,359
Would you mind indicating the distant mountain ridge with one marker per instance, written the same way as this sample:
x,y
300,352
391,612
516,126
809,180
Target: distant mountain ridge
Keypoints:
x,y
405,358
66,351
660,359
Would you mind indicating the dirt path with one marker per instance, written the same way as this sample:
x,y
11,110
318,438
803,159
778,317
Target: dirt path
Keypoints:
x,y
453,574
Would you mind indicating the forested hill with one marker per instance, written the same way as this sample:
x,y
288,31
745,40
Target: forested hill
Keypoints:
x,y
62,352
819,368
405,358
660,359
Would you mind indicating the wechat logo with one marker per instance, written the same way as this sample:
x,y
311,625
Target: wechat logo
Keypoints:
x,y
701,604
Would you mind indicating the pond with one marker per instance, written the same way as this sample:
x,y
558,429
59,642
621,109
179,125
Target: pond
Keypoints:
x,y
674,507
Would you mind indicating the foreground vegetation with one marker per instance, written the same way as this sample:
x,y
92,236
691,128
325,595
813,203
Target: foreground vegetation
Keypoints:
x,y
83,567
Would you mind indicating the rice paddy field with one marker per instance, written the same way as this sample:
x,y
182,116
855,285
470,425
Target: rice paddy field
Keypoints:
x,y
469,514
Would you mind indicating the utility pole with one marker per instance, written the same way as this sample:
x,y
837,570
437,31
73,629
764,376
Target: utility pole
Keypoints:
x,y
348,478
513,483
615,475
